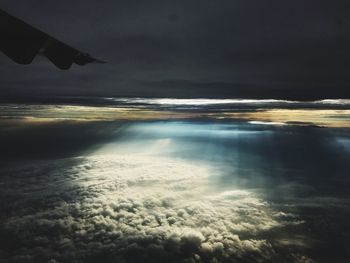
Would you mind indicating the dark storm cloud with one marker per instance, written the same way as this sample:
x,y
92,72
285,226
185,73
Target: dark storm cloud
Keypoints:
x,y
217,49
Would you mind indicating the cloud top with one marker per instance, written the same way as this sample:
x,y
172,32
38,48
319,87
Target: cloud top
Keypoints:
x,y
135,209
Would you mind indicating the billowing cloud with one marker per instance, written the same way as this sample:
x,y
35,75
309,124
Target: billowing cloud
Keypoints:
x,y
170,191
139,208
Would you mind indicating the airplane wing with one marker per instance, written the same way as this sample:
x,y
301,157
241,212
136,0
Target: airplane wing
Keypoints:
x,y
22,42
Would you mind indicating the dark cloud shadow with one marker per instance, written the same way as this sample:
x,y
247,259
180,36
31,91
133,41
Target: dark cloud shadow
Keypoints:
x,y
21,139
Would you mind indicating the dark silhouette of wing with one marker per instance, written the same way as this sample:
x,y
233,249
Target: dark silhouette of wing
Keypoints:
x,y
22,42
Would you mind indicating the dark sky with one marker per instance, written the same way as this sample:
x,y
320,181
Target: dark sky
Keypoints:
x,y
226,48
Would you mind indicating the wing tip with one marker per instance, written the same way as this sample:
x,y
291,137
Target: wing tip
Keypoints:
x,y
22,49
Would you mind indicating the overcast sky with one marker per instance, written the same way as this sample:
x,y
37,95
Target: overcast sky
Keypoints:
x,y
226,48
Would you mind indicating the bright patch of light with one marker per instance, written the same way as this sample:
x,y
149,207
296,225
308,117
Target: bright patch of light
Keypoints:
x,y
208,102
195,102
267,123
334,101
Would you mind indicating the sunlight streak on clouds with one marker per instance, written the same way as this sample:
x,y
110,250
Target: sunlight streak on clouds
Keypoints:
x,y
319,113
144,207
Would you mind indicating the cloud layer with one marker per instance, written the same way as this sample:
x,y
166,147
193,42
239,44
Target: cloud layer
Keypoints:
x,y
114,208
172,191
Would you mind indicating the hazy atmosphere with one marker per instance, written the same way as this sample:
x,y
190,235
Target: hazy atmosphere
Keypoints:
x,y
216,131
160,48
